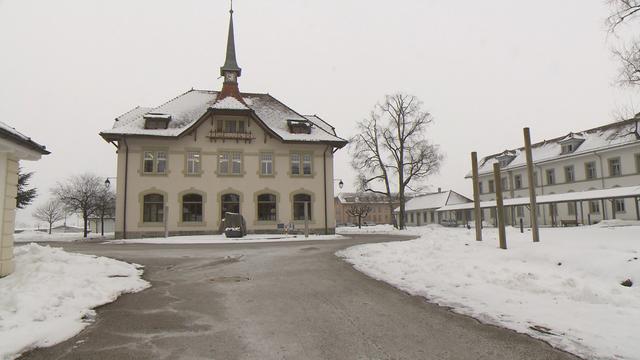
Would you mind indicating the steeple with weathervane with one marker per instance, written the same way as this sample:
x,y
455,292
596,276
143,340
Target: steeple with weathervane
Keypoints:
x,y
230,70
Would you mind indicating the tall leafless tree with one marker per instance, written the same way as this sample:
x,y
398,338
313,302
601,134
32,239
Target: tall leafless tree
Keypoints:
x,y
359,211
50,212
625,12
80,194
391,148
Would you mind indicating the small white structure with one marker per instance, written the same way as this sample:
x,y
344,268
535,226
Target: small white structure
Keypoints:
x,y
14,146
421,210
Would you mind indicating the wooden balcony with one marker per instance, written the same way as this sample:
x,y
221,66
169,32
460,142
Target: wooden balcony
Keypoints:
x,y
215,135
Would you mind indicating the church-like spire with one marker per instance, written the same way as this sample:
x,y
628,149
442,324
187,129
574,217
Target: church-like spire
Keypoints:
x,y
230,63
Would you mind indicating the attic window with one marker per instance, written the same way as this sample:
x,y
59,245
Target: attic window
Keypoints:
x,y
299,126
506,157
156,120
570,143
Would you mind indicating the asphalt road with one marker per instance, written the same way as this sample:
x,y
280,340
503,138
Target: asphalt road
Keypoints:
x,y
292,300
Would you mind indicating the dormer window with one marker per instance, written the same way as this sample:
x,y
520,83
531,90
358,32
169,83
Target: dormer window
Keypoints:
x,y
156,120
506,157
299,126
570,143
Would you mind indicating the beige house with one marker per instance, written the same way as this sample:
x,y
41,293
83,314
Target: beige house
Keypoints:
x,y
14,146
379,214
184,164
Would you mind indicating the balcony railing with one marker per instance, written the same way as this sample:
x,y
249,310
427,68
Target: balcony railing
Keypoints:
x,y
245,136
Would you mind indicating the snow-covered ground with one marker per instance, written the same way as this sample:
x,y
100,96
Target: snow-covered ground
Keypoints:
x,y
378,229
49,297
566,289
42,236
221,239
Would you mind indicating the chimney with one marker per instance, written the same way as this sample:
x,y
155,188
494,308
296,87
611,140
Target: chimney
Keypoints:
x,y
439,190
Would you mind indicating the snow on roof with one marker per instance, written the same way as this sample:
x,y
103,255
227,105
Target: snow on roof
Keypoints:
x,y
229,103
618,192
189,107
20,138
434,200
363,197
599,138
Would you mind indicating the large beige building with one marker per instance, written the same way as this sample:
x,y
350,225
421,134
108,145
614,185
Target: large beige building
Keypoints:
x,y
581,177
14,147
184,164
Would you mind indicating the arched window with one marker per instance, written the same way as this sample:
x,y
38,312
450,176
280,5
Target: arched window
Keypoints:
x,y
153,208
299,201
229,203
267,207
192,208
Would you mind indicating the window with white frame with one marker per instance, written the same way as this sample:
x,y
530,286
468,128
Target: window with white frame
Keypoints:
x,y
491,187
230,163
480,187
571,208
520,211
301,164
551,176
569,174
590,170
619,205
193,162
517,181
594,207
266,163
615,168
154,162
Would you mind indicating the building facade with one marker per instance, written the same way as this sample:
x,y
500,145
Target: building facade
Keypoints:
x,y
184,164
605,157
380,212
422,209
14,147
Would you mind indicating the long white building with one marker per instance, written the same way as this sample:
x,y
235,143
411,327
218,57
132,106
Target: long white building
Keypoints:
x,y
605,157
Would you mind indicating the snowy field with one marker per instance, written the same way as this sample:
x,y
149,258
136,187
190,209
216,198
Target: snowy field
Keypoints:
x,y
378,229
565,290
50,296
222,239
42,236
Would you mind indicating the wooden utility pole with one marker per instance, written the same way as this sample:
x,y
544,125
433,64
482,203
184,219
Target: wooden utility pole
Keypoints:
x,y
306,219
499,206
533,208
477,212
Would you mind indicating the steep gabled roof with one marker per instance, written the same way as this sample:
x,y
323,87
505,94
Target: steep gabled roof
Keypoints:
x,y
185,110
434,201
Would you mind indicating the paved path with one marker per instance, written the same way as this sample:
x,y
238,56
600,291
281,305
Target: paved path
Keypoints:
x,y
276,301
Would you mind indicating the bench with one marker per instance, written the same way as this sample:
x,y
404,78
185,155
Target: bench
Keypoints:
x,y
569,222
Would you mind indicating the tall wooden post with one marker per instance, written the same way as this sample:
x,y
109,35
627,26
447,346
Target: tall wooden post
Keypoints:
x,y
476,196
533,208
165,220
499,206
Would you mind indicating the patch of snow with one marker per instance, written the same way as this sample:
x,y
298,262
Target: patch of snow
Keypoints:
x,y
222,239
569,282
377,229
49,297
229,103
42,236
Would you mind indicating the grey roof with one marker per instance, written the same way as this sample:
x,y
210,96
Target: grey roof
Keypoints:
x,y
230,63
13,135
186,109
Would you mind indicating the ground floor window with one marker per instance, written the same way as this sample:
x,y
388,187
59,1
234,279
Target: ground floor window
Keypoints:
x,y
192,208
267,207
229,203
594,207
299,202
153,208
571,208
619,205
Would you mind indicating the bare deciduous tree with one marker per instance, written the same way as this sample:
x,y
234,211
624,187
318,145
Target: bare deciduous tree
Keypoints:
x,y
624,12
359,211
80,194
50,212
393,143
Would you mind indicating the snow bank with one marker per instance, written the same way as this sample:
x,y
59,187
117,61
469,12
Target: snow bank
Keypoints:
x,y
379,229
40,236
49,297
565,289
222,239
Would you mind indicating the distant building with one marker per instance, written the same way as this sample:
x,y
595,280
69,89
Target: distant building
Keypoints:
x,y
15,147
422,209
379,214
186,163
570,173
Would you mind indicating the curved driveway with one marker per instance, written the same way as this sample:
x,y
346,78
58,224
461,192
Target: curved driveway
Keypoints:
x,y
292,300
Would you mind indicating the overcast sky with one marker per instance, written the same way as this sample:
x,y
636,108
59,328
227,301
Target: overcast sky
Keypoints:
x,y
484,69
